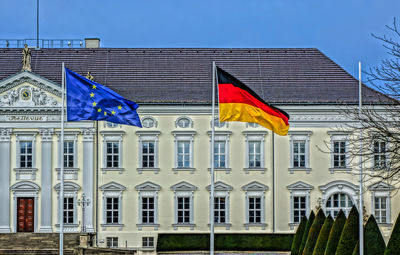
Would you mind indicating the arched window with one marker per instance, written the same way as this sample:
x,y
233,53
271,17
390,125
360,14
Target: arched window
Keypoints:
x,y
149,122
184,122
336,202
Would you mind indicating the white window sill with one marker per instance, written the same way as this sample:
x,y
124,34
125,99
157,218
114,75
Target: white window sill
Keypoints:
x,y
261,225
339,169
226,169
151,225
292,225
112,169
298,169
113,225
177,225
181,169
148,169
255,169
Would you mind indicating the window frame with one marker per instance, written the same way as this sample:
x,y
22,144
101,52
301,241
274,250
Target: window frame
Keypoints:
x,y
111,240
224,137
25,173
223,190
153,120
184,136
382,190
184,190
380,154
255,190
339,136
71,190
190,122
112,136
296,136
70,173
112,190
147,190
298,189
146,240
255,136
148,136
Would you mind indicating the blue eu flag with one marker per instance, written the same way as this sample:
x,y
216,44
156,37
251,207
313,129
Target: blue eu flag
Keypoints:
x,y
89,100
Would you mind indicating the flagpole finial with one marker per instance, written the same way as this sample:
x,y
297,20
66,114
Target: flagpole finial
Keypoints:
x,y
89,76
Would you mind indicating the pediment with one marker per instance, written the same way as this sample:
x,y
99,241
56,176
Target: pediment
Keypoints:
x,y
70,186
25,186
29,90
381,186
300,186
150,186
255,186
112,186
340,184
220,186
183,186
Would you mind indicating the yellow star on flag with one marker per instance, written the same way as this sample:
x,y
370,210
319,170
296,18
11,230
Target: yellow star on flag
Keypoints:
x,y
92,94
105,113
112,112
94,104
94,87
119,107
99,110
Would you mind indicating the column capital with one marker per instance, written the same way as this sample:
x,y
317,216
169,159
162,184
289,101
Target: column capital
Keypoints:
x,y
5,134
47,134
88,134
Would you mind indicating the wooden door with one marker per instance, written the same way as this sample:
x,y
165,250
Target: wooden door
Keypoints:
x,y
25,214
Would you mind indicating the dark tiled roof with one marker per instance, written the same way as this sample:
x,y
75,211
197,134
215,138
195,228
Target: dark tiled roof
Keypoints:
x,y
185,75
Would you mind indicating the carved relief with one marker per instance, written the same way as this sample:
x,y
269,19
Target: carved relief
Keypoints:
x,y
26,96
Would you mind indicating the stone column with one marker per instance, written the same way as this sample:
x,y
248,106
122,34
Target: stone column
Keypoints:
x,y
46,173
5,137
88,176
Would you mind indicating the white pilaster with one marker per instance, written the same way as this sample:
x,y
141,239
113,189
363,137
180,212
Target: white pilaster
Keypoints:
x,y
88,176
5,136
45,212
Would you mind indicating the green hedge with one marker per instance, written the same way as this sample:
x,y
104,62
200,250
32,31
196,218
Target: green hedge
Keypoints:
x,y
373,240
393,246
314,233
237,242
349,238
298,236
306,231
334,235
323,236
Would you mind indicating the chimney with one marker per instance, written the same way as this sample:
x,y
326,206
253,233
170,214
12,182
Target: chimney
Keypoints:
x,y
92,43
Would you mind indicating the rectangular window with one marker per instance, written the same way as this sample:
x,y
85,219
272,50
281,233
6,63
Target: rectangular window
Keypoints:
x,y
254,209
112,242
112,210
68,210
219,154
255,154
299,154
379,154
380,209
339,154
69,154
219,210
148,210
26,154
112,157
147,242
148,154
183,209
183,154
299,208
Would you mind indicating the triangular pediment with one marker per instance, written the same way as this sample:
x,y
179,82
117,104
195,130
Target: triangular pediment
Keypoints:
x,y
112,186
220,186
183,186
255,186
381,186
150,186
28,90
300,186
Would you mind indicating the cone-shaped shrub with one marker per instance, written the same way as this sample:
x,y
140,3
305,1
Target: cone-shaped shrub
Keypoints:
x,y
335,234
314,232
394,241
373,240
356,250
306,230
348,239
323,236
298,236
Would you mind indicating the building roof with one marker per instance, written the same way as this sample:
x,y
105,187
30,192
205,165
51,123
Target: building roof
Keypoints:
x,y
184,75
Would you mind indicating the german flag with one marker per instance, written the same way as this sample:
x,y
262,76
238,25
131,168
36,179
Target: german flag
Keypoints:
x,y
237,102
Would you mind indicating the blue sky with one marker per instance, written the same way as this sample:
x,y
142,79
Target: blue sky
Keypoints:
x,y
341,28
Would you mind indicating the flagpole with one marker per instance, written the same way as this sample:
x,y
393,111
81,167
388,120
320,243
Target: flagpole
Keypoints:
x,y
361,217
212,165
61,197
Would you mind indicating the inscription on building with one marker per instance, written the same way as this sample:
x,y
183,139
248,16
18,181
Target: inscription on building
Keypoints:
x,y
23,118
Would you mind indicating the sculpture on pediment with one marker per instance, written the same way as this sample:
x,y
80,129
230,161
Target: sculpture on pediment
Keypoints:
x,y
27,96
26,59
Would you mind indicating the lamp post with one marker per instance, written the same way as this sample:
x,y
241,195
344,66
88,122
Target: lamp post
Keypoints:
x,y
84,202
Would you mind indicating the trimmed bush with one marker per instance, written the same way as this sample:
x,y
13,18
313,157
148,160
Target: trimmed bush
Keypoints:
x,y
239,242
323,236
298,236
348,239
334,235
306,230
314,232
394,241
373,240
356,250
253,242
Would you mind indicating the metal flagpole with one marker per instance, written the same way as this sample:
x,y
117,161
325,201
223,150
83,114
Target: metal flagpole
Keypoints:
x,y
212,165
61,197
37,24
361,218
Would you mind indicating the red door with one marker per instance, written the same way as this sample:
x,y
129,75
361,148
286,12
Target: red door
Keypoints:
x,y
25,214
